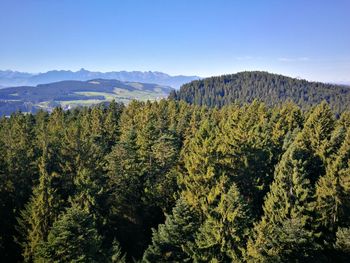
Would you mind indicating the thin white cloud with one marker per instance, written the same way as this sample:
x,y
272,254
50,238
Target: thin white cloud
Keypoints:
x,y
299,59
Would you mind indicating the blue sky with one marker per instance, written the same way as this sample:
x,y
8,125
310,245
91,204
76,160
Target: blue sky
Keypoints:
x,y
300,38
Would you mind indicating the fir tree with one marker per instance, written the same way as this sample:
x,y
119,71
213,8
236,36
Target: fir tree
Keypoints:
x,y
333,193
290,200
200,180
222,237
342,244
40,213
173,239
72,238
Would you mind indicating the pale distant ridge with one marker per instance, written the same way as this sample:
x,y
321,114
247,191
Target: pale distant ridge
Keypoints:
x,y
9,78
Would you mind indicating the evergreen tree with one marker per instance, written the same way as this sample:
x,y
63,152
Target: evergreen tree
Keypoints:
x,y
290,201
173,239
19,171
72,238
273,89
202,181
246,150
40,213
222,237
333,193
318,129
342,244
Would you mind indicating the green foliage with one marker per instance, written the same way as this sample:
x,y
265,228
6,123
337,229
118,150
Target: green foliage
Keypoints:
x,y
72,238
222,237
333,193
290,200
343,240
40,213
173,239
273,89
233,184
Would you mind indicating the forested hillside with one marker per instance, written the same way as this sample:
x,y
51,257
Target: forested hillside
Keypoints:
x,y
72,93
170,182
270,88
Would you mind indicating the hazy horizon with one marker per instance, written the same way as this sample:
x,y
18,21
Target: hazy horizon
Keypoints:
x,y
307,40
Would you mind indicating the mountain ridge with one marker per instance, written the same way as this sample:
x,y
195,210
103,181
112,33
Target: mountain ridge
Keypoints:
x,y
9,78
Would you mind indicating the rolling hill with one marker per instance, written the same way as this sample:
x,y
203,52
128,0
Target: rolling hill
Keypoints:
x,y
271,88
69,94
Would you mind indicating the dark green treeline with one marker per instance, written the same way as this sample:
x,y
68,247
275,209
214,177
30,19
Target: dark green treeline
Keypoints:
x,y
170,182
270,88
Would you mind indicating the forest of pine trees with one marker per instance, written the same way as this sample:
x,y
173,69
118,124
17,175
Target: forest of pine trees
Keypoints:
x,y
270,88
171,182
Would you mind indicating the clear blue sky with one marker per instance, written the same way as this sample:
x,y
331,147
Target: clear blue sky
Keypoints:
x,y
300,38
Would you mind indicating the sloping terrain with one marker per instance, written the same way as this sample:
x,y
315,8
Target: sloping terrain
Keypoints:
x,y
69,94
271,88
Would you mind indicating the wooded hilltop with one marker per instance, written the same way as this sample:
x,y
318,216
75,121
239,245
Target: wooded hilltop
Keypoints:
x,y
272,89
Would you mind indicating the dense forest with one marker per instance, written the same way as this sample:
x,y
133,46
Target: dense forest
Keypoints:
x,y
269,88
168,181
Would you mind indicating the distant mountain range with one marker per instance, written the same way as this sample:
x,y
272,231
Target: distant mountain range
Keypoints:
x,y
271,88
72,93
9,78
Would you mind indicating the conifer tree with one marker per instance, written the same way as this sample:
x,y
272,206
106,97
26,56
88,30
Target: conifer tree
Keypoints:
x,y
40,213
318,128
333,193
342,244
203,180
285,121
290,201
223,235
172,241
111,123
20,171
245,151
72,238
116,255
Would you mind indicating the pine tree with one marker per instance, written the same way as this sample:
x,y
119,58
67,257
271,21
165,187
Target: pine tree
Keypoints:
x,y
318,128
285,121
19,171
111,123
290,201
90,193
203,180
173,239
223,235
342,244
72,238
333,193
245,151
40,213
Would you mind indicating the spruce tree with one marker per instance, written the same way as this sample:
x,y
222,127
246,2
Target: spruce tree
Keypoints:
x,y
202,181
72,238
19,173
290,201
245,151
172,241
318,129
40,213
333,193
223,235
342,244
